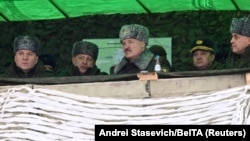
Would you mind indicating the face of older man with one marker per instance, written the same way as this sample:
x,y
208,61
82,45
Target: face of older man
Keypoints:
x,y
133,48
83,62
239,43
25,59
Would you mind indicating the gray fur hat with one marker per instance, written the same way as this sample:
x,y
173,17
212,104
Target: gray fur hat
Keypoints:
x,y
134,31
84,47
27,43
240,26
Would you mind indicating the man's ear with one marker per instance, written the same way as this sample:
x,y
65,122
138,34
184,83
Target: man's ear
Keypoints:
x,y
212,56
248,40
142,44
73,60
37,59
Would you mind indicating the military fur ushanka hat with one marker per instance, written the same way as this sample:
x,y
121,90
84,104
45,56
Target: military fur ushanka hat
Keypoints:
x,y
134,31
85,47
27,43
240,26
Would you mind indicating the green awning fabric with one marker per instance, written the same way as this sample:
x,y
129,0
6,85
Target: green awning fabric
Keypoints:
x,y
25,10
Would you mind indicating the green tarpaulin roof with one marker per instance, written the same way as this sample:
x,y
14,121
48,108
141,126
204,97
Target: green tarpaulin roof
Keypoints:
x,y
24,10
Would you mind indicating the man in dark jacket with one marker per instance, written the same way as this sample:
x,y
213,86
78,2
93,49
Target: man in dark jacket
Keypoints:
x,y
84,56
26,58
240,43
49,62
159,50
134,39
204,55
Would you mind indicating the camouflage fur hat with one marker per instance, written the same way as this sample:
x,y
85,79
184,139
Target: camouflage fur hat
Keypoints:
x,y
202,44
241,26
84,47
134,31
27,43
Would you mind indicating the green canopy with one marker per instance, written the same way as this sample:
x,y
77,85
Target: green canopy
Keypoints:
x,y
25,10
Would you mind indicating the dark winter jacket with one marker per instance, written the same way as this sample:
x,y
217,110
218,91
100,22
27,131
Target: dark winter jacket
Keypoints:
x,y
241,61
74,71
15,72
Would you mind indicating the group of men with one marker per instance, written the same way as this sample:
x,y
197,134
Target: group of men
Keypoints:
x,y
137,57
204,54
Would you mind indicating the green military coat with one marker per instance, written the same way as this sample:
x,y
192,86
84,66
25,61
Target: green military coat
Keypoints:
x,y
74,71
241,61
15,72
